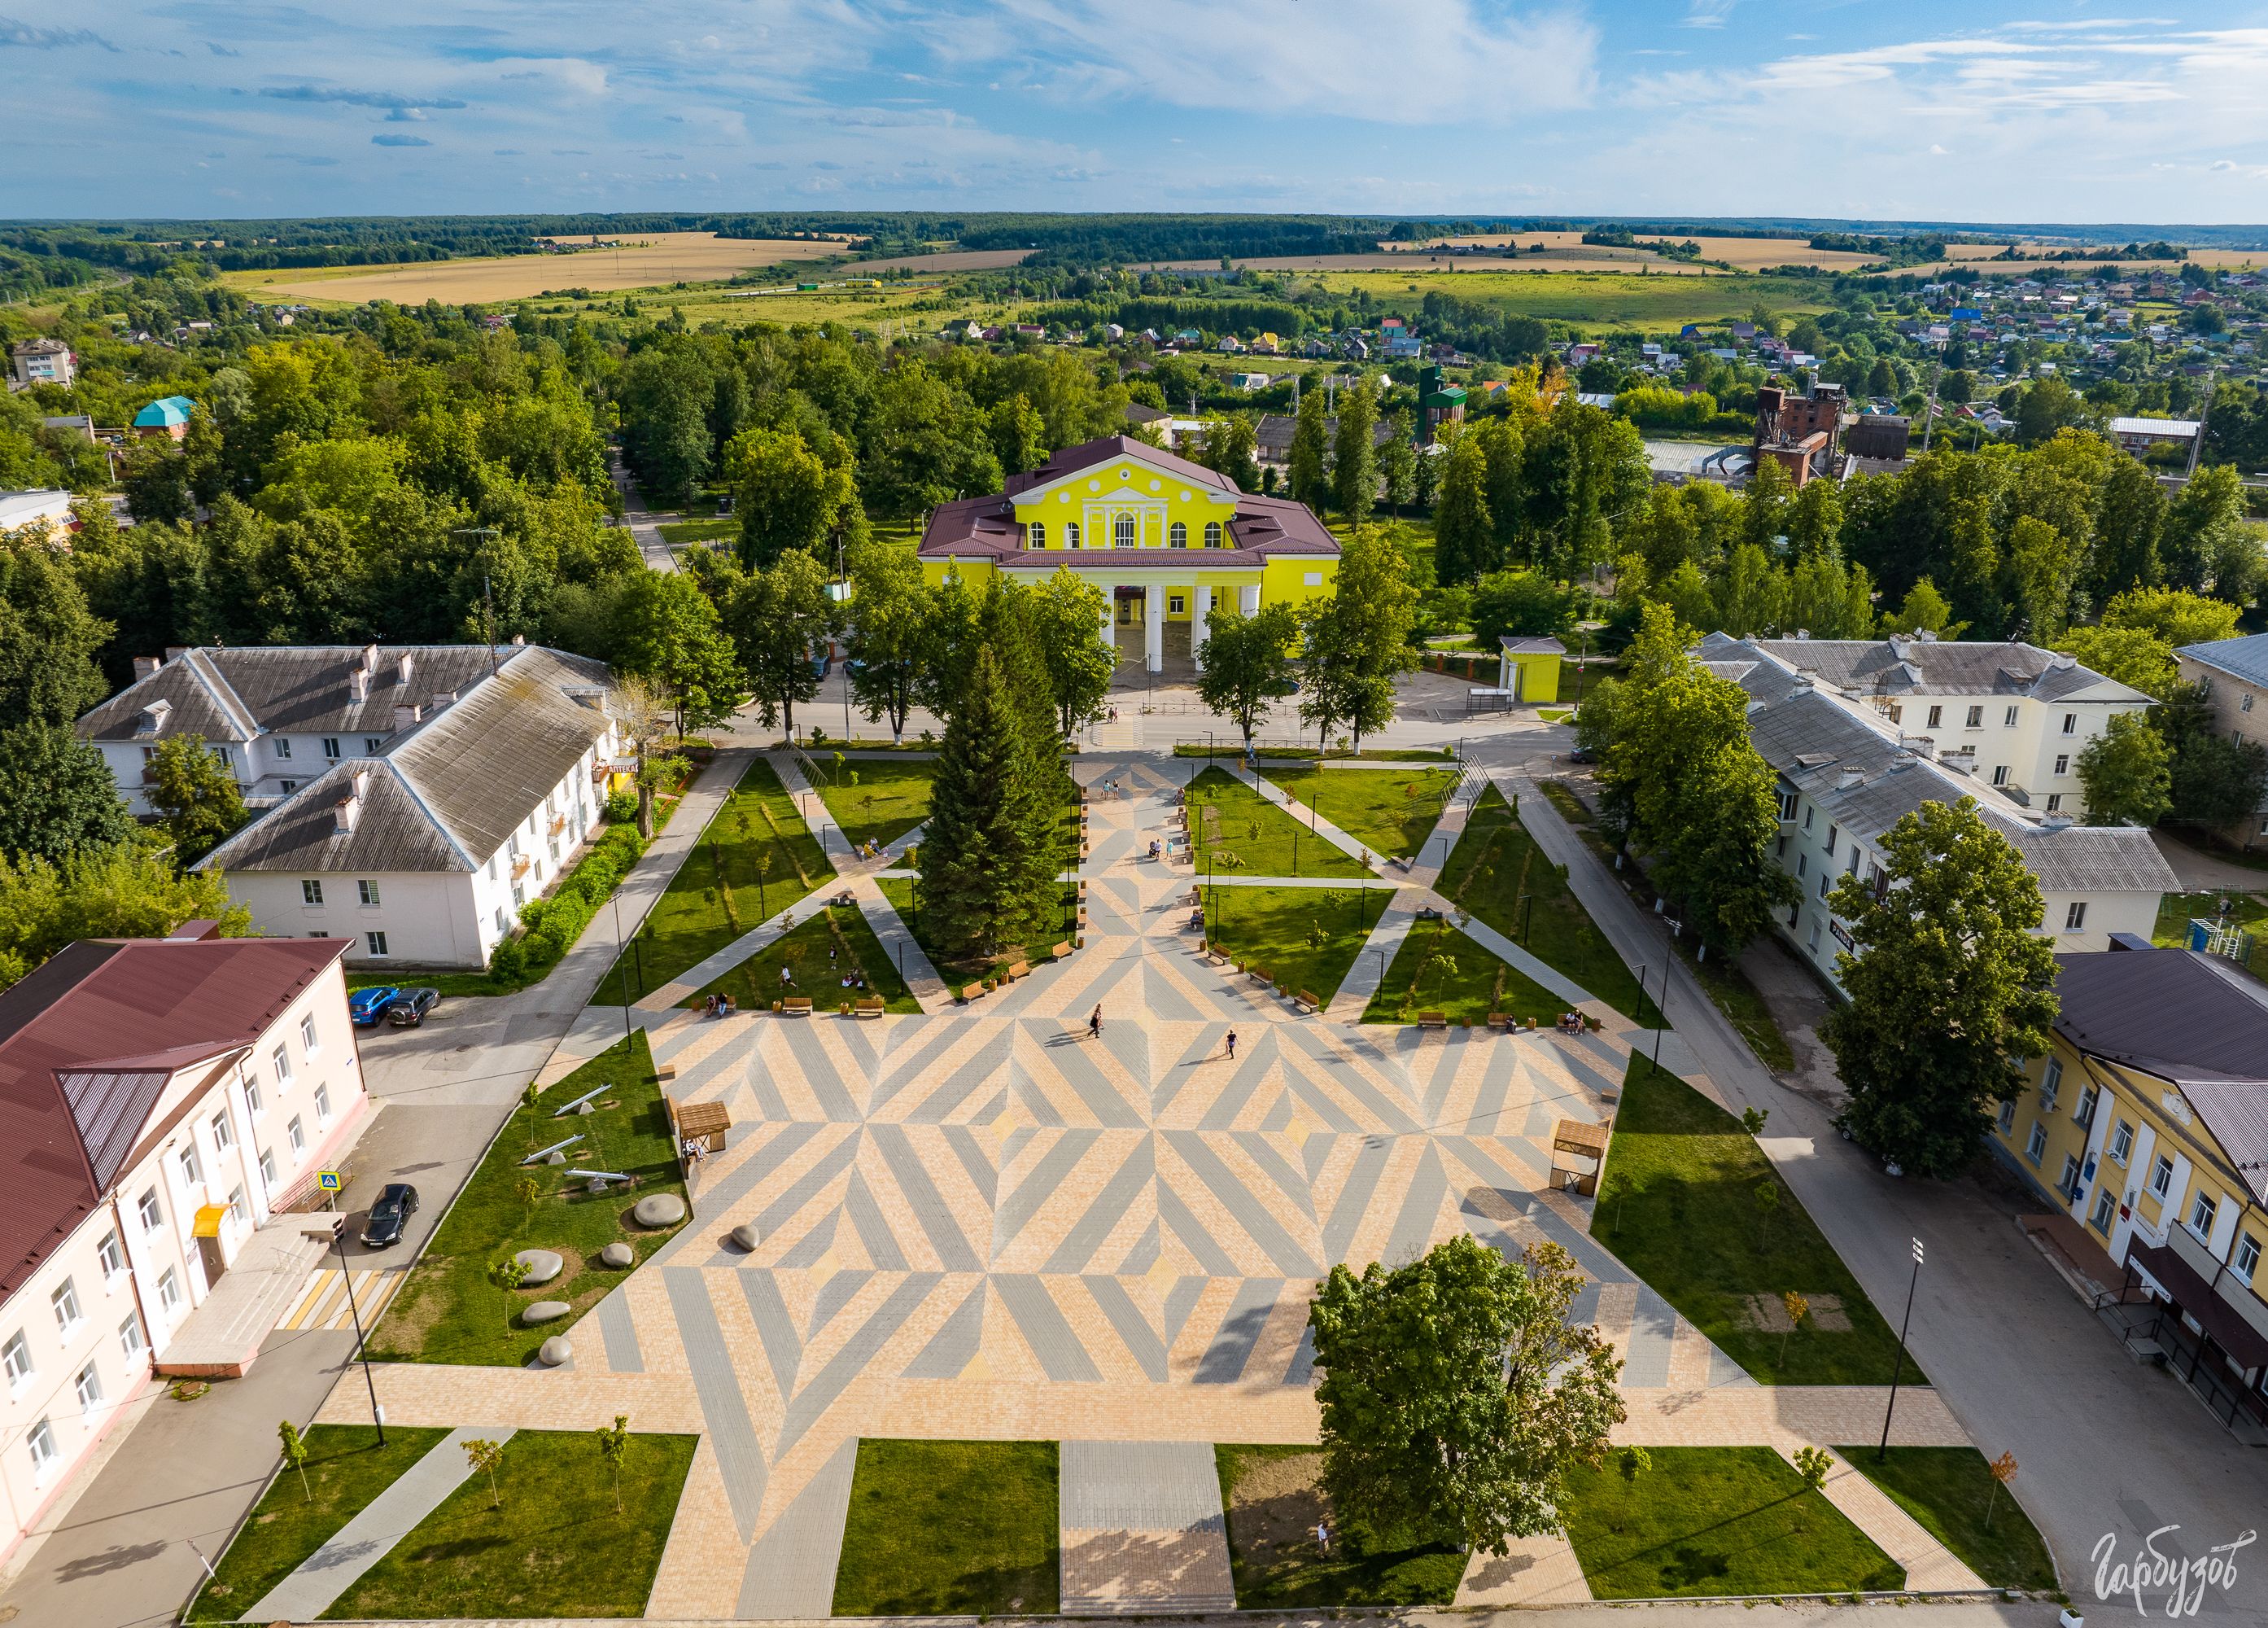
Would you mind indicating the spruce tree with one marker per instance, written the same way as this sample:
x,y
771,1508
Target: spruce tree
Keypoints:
x,y
988,856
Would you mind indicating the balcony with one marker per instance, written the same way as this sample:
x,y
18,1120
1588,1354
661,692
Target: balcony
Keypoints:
x,y
520,864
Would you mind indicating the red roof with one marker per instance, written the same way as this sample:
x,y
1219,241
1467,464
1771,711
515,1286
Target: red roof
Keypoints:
x,y
87,1042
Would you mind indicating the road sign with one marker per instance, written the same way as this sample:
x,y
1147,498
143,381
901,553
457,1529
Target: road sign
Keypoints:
x,y
327,1180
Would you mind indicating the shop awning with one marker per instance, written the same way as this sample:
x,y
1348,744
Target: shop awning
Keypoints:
x,y
209,1219
2177,1278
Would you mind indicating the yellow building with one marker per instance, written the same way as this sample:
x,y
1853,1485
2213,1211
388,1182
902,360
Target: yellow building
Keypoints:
x,y
1528,668
1166,540
2146,1128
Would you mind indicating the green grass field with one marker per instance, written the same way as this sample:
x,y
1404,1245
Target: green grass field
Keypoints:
x,y
1494,864
552,1544
725,887
940,1528
1278,928
1391,813
803,950
1480,984
1273,1502
1951,1491
1596,298
875,800
345,1469
680,534
448,1311
1691,1227
900,891
1228,818
1715,1520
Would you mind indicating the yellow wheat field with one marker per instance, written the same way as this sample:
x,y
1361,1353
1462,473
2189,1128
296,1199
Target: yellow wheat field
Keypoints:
x,y
650,261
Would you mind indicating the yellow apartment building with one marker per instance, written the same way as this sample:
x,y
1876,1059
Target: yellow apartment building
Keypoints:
x,y
1167,541
2146,1126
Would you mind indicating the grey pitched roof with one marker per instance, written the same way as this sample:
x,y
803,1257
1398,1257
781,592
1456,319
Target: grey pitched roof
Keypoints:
x,y
1903,665
446,794
234,694
1860,774
2245,658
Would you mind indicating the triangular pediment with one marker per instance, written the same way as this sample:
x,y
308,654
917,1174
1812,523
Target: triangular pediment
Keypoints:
x,y
1127,476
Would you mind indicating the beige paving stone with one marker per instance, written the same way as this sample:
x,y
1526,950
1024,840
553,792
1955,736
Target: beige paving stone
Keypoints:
x,y
1533,1572
1930,1566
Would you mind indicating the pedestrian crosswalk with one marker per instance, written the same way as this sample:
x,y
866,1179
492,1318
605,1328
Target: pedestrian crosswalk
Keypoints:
x,y
322,1304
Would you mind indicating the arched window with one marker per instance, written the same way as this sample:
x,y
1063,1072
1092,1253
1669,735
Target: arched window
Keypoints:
x,y
1039,535
1121,532
1070,534
1213,533
1177,536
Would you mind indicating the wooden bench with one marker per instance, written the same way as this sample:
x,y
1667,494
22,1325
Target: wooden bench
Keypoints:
x,y
1432,1020
1499,1019
869,1007
796,1006
666,1072
1060,951
1018,969
1259,974
1307,1002
972,991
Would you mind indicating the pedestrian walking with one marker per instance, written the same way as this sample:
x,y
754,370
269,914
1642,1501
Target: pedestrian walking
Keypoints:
x,y
1231,1045
1323,1536
1094,1025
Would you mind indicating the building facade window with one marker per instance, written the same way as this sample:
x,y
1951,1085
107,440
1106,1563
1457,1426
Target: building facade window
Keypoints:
x,y
2009,719
322,1105
298,1133
1213,533
88,1384
16,1357
2069,1185
1975,717
129,1337
1936,717
2074,915
1070,534
2104,1203
331,748
2062,763
169,1290
2246,1261
65,1301
146,1207
193,1169
2085,1112
268,1167
2162,1176
2036,1145
2071,723
2202,1211
1122,531
2122,1143
283,746
2051,1083
282,1057
367,891
2055,802
371,743
311,892
45,1454
376,942
308,1033
2007,1117
1177,536
1038,534
110,1255
252,1096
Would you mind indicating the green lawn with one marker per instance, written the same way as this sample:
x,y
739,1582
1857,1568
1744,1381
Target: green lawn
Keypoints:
x,y
874,800
555,1547
803,949
2246,910
1228,750
346,1468
1272,927
1481,984
1715,1520
1227,817
448,1311
940,1528
1495,862
678,534
1724,983
1391,813
1950,1492
1273,1504
1691,1227
724,889
899,890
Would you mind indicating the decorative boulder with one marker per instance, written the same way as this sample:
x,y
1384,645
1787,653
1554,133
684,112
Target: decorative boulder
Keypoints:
x,y
744,1235
542,1266
618,1254
556,1350
659,1210
545,1311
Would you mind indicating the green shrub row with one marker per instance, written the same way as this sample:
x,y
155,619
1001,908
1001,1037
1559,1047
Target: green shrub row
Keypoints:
x,y
554,924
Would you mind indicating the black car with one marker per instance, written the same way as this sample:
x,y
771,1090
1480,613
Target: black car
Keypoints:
x,y
397,1202
410,1006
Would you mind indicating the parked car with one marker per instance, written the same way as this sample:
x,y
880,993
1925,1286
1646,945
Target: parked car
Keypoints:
x,y
410,1006
397,1202
367,1006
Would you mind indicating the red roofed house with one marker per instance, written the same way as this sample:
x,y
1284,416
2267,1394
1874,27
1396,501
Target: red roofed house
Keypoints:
x,y
159,1099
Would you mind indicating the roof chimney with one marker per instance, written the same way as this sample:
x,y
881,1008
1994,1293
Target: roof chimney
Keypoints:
x,y
359,684
370,658
174,652
152,719
2056,822
346,813
1848,778
145,667
406,664
441,698
405,715
519,639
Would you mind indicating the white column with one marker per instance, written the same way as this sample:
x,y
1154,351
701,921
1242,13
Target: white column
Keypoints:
x,y
1200,609
1110,618
1248,599
1153,627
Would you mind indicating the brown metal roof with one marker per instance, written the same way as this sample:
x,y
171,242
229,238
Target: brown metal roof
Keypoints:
x,y
81,1040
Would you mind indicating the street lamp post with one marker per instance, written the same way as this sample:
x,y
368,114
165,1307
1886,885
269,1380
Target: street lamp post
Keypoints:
x,y
1897,1370
339,1242
622,963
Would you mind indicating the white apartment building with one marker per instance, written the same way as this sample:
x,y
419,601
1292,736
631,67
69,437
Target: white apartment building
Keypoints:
x,y
159,1099
42,362
2017,716
414,799
2234,674
1848,773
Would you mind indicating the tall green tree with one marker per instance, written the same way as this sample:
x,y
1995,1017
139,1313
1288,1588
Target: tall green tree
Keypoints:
x,y
1457,1392
48,639
668,630
1950,986
1311,453
787,495
194,793
988,863
128,890
1354,455
1524,602
1464,529
1066,615
1397,462
779,619
1247,664
889,634
2133,656
1229,448
2218,780
1356,639
2174,616
57,800
2126,773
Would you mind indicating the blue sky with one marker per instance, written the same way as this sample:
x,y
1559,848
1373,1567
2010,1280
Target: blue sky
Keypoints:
x,y
2003,110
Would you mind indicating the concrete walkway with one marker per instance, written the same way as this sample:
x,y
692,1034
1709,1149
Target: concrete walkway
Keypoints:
x,y
1930,1566
2200,871
1142,1529
923,980
220,1338
363,1542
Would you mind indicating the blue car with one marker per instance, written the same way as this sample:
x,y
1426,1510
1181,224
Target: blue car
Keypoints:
x,y
368,1007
